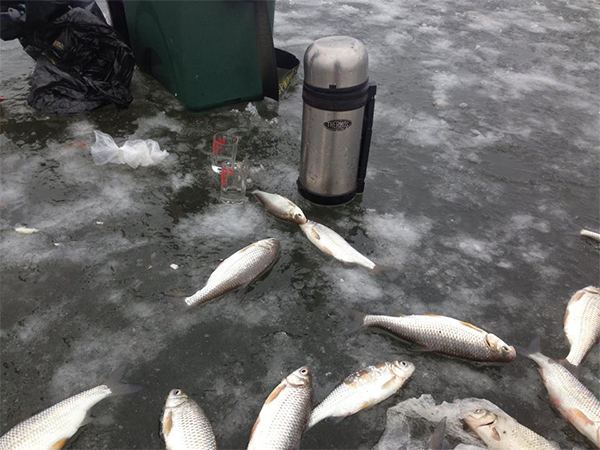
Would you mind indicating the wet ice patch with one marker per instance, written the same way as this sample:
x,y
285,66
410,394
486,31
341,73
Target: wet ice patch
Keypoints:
x,y
398,430
179,180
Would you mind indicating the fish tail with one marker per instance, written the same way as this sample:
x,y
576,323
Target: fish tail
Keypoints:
x,y
391,273
193,299
574,369
117,387
357,320
437,438
534,348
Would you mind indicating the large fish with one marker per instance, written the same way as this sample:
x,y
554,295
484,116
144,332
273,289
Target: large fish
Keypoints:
x,y
332,244
281,207
50,429
441,334
582,323
502,432
238,270
572,399
184,424
284,415
362,390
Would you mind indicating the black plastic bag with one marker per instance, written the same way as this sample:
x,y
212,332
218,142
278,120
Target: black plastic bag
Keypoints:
x,y
84,64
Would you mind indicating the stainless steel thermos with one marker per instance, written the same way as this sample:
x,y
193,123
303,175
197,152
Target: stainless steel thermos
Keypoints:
x,y
336,120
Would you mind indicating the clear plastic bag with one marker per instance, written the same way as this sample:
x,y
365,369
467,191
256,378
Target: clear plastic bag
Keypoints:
x,y
134,153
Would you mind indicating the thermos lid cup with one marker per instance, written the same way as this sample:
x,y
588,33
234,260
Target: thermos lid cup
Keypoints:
x,y
336,62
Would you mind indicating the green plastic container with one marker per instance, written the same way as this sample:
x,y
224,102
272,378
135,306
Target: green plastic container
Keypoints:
x,y
204,51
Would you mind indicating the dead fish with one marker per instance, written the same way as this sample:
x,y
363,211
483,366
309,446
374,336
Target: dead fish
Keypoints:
x,y
281,207
590,234
284,415
582,323
332,244
440,334
184,424
363,389
51,428
26,230
502,432
437,438
572,399
238,270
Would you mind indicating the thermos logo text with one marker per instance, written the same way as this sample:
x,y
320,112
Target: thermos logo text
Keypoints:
x,y
337,124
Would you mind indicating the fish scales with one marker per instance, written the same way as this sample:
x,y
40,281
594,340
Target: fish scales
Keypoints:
x,y
281,207
582,323
184,424
284,415
54,425
444,335
573,400
237,270
363,389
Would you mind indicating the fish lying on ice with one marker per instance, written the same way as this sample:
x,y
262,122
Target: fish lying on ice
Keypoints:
x,y
332,244
502,432
440,334
582,323
238,270
184,424
363,389
50,429
572,399
590,234
281,207
284,415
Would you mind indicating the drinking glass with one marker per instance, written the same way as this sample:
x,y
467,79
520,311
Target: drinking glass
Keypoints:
x,y
233,181
224,149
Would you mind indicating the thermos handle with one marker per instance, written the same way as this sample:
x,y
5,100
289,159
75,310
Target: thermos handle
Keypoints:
x,y
365,142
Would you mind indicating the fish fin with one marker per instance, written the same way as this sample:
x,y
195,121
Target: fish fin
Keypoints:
x,y
390,272
580,416
357,321
535,346
575,370
388,383
167,423
495,434
116,387
399,315
337,419
437,438
254,427
273,395
470,325
58,445
87,419
314,233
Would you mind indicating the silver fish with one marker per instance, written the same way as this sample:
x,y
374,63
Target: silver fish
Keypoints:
x,y
363,389
582,323
51,428
238,270
502,432
281,207
284,415
184,424
572,399
332,244
441,334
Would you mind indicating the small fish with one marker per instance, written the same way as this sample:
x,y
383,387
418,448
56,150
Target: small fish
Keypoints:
x,y
332,244
26,230
440,334
582,323
437,438
184,424
502,432
572,399
238,270
590,234
284,415
51,428
281,207
362,390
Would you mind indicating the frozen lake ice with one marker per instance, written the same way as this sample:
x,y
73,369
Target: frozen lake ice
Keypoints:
x,y
484,167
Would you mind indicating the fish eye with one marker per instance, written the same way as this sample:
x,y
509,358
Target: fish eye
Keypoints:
x,y
505,348
404,364
176,392
303,371
478,411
